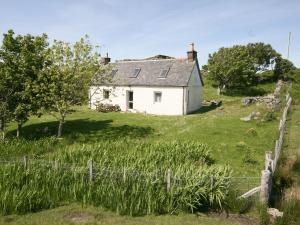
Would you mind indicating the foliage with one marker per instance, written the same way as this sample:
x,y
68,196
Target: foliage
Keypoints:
x,y
101,107
231,67
244,65
264,218
269,116
238,205
294,78
282,67
291,213
22,59
133,182
66,79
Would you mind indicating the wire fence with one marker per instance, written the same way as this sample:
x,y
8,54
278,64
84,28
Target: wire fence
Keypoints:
x,y
96,172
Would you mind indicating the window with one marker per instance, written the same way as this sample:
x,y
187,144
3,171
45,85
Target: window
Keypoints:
x,y
106,94
157,97
163,73
135,73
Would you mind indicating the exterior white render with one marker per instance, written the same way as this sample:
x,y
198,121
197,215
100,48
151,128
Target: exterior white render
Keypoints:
x,y
179,93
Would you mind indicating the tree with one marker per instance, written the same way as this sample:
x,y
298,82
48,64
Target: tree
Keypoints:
x,y
240,65
5,93
66,79
264,55
23,57
282,67
231,67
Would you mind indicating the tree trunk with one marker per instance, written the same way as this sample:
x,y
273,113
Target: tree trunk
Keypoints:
x,y
2,128
60,126
19,128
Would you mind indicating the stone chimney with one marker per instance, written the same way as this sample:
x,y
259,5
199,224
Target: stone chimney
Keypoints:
x,y
191,54
106,59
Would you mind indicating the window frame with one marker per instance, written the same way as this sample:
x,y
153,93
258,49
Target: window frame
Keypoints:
x,y
106,94
154,96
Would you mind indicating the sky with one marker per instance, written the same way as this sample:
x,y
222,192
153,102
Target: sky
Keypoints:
x,y
144,28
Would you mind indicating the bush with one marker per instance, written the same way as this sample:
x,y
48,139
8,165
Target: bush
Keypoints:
x,y
269,116
236,205
100,107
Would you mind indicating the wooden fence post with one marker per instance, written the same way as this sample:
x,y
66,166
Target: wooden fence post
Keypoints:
x,y
265,186
169,177
268,161
90,165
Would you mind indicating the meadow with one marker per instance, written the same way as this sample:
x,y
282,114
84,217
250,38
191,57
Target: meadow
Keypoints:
x,y
132,154
231,140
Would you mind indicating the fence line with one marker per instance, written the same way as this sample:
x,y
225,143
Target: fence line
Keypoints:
x,y
94,173
270,162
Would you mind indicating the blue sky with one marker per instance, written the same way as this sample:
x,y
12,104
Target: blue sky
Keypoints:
x,y
137,29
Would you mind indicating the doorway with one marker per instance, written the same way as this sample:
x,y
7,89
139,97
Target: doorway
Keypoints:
x,y
130,99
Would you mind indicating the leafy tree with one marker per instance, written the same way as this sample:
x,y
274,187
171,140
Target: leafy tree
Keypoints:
x,y
263,54
282,67
241,65
5,93
22,58
67,78
231,67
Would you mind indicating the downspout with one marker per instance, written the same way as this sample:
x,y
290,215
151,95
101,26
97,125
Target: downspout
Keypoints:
x,y
183,101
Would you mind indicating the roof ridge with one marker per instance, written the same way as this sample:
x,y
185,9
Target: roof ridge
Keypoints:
x,y
148,60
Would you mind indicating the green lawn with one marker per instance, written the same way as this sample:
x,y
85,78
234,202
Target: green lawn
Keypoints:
x,y
75,214
229,138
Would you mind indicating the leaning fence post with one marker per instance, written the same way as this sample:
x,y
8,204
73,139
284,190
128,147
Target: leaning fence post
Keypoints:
x,y
169,177
25,161
90,165
265,186
268,161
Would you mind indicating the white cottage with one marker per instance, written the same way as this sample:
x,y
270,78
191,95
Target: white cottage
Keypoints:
x,y
159,85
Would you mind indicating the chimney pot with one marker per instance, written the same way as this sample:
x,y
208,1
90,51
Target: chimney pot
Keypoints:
x,y
191,54
106,59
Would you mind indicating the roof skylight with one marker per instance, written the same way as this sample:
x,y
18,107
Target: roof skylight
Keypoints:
x,y
135,73
163,73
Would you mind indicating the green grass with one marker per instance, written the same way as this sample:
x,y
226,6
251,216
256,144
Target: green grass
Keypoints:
x,y
75,214
220,128
231,141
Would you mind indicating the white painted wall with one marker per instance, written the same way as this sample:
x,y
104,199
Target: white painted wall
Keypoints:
x,y
194,91
143,99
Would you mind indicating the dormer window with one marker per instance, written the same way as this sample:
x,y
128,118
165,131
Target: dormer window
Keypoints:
x,y
135,73
164,73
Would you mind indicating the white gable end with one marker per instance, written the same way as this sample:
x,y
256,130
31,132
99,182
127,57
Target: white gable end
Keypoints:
x,y
194,91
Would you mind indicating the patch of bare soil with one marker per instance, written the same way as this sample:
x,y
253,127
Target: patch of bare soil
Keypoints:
x,y
239,218
78,217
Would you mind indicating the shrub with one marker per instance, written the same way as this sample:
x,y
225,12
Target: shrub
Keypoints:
x,y
269,116
100,107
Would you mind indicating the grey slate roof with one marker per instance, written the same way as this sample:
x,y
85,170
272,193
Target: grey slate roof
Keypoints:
x,y
178,75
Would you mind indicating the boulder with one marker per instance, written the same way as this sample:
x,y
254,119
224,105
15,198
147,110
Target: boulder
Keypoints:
x,y
274,212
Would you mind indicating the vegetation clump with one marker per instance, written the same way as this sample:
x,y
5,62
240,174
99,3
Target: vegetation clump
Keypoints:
x,y
128,178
